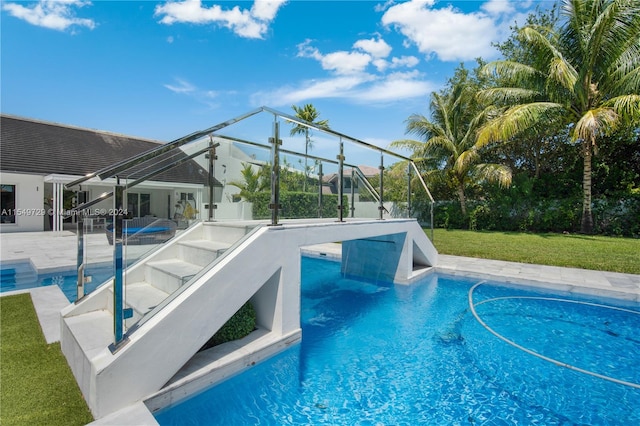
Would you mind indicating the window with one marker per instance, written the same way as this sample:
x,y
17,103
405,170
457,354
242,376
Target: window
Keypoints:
x,y
139,205
8,204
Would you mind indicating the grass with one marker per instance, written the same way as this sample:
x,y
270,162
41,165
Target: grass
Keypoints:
x,y
37,386
568,250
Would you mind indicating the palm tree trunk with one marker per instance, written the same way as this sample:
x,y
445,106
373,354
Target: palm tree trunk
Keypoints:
x,y
587,216
463,200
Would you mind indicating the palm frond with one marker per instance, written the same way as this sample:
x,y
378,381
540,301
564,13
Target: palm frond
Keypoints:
x,y
443,142
515,120
563,73
422,127
507,95
627,107
510,71
410,144
615,30
439,106
624,77
465,160
595,122
534,36
494,173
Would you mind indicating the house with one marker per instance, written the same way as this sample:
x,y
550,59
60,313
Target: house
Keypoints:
x,y
38,158
330,181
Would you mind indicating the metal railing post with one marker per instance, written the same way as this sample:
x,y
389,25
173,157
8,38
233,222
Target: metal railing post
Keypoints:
x,y
320,190
275,172
432,220
212,160
352,208
340,158
118,270
408,190
381,206
80,258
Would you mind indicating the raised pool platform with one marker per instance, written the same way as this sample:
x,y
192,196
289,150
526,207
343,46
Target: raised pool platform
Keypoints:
x,y
186,290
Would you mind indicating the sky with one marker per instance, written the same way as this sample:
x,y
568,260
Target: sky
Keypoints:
x,y
163,69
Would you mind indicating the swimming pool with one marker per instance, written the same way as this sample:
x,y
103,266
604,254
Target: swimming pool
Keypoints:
x,y
22,276
385,354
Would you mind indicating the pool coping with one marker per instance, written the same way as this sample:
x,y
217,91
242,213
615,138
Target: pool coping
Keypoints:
x,y
48,301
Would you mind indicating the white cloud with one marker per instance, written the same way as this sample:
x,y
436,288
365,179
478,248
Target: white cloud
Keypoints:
x,y
345,62
53,14
380,64
355,88
497,7
376,48
210,98
314,89
182,86
248,23
403,61
369,51
395,87
352,78
266,10
446,32
381,7
341,62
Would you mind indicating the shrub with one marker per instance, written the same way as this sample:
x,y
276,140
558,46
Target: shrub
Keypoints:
x,y
296,205
616,216
239,325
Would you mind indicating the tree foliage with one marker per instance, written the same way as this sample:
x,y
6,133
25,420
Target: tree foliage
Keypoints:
x,y
310,114
580,72
448,140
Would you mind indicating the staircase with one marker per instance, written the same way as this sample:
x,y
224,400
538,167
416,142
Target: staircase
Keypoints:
x,y
152,281
197,281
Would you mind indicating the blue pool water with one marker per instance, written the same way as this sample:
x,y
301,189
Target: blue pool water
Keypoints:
x,y
22,276
405,355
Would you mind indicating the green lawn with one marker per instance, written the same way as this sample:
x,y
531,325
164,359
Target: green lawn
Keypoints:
x,y
37,386
570,250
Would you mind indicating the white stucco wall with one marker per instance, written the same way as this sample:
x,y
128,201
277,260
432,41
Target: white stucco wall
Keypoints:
x,y
30,208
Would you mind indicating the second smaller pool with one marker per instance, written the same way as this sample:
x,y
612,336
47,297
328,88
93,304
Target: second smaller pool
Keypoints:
x,y
22,276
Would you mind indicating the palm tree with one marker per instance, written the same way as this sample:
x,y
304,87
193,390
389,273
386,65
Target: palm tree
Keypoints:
x,y
309,114
450,138
584,76
253,181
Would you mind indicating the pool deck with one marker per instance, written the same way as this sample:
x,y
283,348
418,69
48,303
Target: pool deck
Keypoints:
x,y
55,251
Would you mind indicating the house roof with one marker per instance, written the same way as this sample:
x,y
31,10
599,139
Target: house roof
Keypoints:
x,y
39,147
367,171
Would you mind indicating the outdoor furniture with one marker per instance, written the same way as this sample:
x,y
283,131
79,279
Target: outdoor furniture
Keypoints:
x,y
144,230
94,222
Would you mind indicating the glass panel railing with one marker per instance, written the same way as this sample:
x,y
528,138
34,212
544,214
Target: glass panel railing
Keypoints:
x,y
264,165
366,200
188,280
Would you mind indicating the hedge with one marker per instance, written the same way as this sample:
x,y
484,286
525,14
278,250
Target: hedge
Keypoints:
x,y
296,205
611,216
239,325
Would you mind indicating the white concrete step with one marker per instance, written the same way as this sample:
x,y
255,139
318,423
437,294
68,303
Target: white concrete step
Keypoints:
x,y
225,232
92,332
141,297
201,252
169,275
